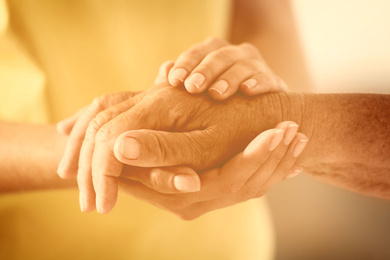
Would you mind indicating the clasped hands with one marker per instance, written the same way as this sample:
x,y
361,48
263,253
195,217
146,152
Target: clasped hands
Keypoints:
x,y
185,153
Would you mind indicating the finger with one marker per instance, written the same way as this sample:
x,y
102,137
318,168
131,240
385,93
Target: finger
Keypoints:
x,y
65,126
69,162
176,179
277,167
291,128
84,175
226,180
232,176
99,149
163,71
217,189
229,82
288,168
215,63
188,60
261,83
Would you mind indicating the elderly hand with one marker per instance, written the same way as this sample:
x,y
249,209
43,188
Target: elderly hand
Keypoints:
x,y
191,131
267,160
222,68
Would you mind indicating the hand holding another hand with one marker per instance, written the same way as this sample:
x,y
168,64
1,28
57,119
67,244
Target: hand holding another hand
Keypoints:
x,y
191,131
222,69
269,159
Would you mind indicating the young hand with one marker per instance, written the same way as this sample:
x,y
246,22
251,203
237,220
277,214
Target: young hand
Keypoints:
x,y
222,69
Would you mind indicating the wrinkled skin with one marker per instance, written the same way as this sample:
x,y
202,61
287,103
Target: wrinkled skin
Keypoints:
x,y
193,131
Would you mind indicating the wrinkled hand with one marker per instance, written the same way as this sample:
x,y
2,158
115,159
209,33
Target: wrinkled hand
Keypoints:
x,y
267,160
222,69
187,130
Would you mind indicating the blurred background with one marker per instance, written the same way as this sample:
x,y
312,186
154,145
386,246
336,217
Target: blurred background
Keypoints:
x,y
347,48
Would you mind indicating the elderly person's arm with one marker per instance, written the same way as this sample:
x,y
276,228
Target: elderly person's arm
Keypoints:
x,y
349,135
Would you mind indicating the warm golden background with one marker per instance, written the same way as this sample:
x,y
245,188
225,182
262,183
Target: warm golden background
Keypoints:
x,y
347,47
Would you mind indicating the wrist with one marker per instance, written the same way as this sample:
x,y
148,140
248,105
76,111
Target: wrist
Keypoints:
x,y
282,106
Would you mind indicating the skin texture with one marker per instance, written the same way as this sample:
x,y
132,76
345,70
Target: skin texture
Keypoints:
x,y
196,124
348,146
202,124
222,69
266,161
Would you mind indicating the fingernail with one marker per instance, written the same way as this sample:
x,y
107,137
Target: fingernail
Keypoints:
x,y
294,173
129,148
196,79
250,83
290,133
178,76
186,183
276,139
299,147
220,87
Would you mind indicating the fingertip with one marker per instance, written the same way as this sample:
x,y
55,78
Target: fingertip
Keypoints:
x,y
106,197
186,182
85,205
258,143
300,144
194,83
251,87
63,170
295,171
214,94
177,76
191,88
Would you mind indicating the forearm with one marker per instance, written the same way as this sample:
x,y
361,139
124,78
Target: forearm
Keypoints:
x,y
349,138
29,155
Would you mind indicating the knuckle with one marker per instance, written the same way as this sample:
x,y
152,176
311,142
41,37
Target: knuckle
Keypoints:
x,y
93,128
103,134
225,54
215,41
249,47
97,127
194,53
249,64
212,39
159,181
153,179
160,153
98,103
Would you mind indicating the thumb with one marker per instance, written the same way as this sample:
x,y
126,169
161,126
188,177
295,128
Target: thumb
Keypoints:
x,y
170,180
149,148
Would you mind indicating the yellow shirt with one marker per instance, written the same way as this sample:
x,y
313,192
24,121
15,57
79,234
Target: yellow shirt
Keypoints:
x,y
55,57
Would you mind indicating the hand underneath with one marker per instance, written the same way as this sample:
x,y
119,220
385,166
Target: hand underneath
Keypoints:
x,y
222,69
267,160
176,129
